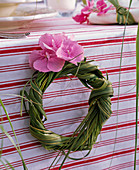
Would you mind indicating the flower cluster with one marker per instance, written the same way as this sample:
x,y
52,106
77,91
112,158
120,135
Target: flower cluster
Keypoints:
x,y
56,49
101,8
85,12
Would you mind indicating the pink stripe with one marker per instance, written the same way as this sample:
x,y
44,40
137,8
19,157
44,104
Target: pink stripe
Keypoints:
x,y
110,70
99,157
105,129
35,144
15,100
99,41
96,57
69,106
103,157
123,165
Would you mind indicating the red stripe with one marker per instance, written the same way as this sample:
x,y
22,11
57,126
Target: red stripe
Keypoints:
x,y
109,70
10,68
107,38
17,50
35,144
123,165
70,106
125,68
96,57
13,84
21,147
108,45
118,126
10,101
25,49
123,97
107,41
89,160
96,159
21,82
105,129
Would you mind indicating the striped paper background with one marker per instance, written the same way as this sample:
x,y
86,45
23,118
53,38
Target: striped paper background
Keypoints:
x,y
66,101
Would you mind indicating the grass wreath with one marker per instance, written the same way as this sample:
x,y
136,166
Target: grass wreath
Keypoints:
x,y
99,101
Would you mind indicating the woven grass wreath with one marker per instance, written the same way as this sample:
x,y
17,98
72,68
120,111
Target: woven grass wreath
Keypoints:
x,y
85,136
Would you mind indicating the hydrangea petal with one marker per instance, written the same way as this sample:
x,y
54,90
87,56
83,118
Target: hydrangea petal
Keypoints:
x,y
50,42
61,53
77,54
41,65
45,39
55,64
34,56
58,39
70,51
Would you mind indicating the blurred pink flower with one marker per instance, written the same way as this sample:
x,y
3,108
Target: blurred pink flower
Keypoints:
x,y
56,49
101,6
85,12
81,18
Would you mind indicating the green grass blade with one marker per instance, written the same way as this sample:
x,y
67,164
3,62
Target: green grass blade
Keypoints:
x,y
1,121
8,119
12,168
12,141
137,92
22,99
1,147
10,138
4,165
7,163
121,57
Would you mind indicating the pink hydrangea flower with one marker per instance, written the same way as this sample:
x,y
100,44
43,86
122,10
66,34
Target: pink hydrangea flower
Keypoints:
x,y
56,49
85,12
101,6
70,51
